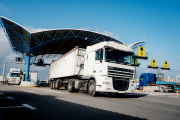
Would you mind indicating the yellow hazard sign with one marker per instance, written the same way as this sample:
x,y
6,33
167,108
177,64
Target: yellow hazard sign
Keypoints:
x,y
153,63
166,64
136,61
141,51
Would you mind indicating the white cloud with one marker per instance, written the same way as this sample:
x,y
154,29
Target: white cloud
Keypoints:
x,y
32,29
5,48
159,52
111,34
11,57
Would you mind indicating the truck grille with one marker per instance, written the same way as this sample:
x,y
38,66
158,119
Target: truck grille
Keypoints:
x,y
120,77
120,73
119,84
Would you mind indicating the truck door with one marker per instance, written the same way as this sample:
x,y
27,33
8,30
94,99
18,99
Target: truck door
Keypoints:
x,y
98,66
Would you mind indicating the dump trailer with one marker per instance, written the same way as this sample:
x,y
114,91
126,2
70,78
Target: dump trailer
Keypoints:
x,y
104,67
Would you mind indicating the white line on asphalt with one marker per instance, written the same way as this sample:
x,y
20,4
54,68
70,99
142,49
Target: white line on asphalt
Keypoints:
x,y
28,106
13,107
24,106
7,97
10,97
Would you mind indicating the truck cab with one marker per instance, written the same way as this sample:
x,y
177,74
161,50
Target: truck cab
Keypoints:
x,y
15,76
111,66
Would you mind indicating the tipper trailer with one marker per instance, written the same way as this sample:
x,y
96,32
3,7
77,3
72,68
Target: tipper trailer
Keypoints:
x,y
104,67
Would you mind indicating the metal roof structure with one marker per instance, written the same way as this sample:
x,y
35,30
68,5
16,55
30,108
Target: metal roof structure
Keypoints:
x,y
50,43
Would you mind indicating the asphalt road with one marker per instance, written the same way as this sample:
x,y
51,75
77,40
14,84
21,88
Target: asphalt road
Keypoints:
x,y
43,103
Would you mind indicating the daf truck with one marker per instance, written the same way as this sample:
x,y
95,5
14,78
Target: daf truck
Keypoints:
x,y
104,67
15,76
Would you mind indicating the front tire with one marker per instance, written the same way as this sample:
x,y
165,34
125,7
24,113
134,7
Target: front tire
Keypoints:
x,y
92,88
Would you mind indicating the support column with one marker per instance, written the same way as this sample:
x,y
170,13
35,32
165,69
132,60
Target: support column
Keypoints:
x,y
4,67
27,67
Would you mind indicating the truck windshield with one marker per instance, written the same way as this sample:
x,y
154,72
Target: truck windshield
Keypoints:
x,y
15,75
117,56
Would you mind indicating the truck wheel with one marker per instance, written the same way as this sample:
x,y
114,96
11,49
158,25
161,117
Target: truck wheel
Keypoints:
x,y
92,88
51,84
54,81
56,85
119,95
70,87
161,89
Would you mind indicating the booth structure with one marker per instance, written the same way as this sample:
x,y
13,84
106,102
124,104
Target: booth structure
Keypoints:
x,y
47,44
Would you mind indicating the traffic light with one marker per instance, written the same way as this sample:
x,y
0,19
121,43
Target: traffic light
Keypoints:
x,y
166,64
153,63
141,51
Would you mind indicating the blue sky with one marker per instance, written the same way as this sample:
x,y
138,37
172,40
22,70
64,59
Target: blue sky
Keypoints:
x,y
126,20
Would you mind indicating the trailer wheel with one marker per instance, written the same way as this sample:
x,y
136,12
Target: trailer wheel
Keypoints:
x,y
56,86
70,87
92,88
162,89
51,84
54,82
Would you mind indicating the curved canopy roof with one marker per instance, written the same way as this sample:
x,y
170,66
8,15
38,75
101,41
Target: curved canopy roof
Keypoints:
x,y
50,43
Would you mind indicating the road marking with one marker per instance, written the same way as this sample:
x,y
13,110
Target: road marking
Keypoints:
x,y
10,97
7,97
1,93
28,106
24,106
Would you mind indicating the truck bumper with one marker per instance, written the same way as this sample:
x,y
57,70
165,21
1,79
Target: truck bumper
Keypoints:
x,y
15,83
105,84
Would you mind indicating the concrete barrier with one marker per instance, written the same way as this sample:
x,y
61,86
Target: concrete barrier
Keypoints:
x,y
148,89
28,84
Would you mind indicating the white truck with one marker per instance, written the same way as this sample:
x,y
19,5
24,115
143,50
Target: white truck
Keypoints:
x,y
104,67
15,76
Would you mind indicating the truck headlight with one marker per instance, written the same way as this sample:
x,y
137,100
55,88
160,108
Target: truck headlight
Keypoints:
x,y
106,83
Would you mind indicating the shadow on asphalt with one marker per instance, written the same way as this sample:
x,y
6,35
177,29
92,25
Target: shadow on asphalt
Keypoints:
x,y
51,108
134,95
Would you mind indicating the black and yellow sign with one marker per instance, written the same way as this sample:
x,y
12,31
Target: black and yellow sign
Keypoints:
x,y
136,61
141,51
153,63
166,64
